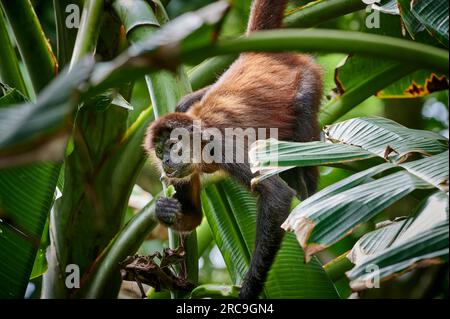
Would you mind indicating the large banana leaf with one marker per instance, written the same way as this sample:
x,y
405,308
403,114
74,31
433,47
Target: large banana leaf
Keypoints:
x,y
434,170
231,213
31,132
417,16
335,211
270,157
403,245
26,195
386,138
351,140
434,16
319,222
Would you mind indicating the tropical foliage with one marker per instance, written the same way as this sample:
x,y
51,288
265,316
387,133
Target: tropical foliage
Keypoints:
x,y
77,94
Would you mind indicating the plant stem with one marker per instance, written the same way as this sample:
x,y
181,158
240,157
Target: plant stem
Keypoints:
x,y
337,267
209,70
9,66
323,40
33,45
127,241
318,12
88,32
204,237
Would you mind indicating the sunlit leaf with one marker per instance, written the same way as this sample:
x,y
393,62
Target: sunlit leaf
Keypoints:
x,y
386,138
402,246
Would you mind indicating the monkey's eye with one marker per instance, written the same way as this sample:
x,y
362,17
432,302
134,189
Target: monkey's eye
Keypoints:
x,y
159,151
171,142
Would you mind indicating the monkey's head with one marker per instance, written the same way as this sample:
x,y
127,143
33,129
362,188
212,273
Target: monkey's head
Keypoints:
x,y
170,139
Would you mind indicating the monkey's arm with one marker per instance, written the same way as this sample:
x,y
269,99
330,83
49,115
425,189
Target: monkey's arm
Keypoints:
x,y
194,97
183,212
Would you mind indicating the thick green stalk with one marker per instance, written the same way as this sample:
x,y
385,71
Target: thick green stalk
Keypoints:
x,y
9,66
337,267
204,236
320,11
382,47
33,45
88,32
323,40
340,105
65,35
125,243
209,71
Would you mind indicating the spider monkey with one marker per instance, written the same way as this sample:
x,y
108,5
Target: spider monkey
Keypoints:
x,y
259,90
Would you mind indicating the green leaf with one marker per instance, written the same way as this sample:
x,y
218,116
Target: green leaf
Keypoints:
x,y
321,221
352,140
31,132
226,232
291,278
32,43
402,246
40,263
418,16
348,77
433,169
376,241
433,14
9,95
270,157
386,138
359,69
269,151
26,195
215,292
332,213
231,213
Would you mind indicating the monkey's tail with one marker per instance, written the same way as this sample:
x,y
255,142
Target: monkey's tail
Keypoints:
x,y
266,14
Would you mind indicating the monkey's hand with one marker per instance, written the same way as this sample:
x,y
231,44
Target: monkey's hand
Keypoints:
x,y
168,210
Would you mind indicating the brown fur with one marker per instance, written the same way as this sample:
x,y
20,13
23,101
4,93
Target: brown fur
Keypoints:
x,y
258,91
266,14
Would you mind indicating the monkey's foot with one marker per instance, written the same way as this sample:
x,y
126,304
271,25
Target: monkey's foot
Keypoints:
x,y
168,210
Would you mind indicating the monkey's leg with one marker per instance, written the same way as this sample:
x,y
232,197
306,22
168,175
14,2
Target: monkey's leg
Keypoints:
x,y
274,204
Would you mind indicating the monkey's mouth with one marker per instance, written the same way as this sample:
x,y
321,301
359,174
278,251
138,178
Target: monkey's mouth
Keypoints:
x,y
171,172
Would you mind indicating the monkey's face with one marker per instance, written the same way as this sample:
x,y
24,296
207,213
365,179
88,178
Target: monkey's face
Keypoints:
x,y
174,161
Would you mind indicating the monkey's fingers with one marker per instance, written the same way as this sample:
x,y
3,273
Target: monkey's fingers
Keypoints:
x,y
168,210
